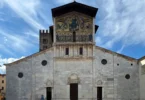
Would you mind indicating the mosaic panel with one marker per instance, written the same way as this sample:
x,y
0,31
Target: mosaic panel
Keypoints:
x,y
74,21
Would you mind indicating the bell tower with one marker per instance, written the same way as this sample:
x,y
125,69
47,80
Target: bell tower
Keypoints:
x,y
45,38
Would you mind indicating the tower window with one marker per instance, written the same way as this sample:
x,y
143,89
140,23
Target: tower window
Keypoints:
x,y
81,51
67,51
44,47
2,88
2,81
45,41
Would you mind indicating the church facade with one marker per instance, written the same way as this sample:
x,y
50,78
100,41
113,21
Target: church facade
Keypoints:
x,y
69,66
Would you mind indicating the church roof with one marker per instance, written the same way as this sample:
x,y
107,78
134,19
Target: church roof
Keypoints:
x,y
142,58
28,57
97,47
117,54
74,6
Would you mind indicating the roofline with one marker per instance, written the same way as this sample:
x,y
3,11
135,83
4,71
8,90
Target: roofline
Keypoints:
x,y
2,74
74,2
58,7
30,56
141,58
105,50
121,55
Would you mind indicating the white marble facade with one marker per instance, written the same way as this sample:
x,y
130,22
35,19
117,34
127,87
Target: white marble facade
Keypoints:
x,y
120,77
87,71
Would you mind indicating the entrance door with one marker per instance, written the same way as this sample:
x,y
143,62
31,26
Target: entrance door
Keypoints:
x,y
48,93
74,91
99,93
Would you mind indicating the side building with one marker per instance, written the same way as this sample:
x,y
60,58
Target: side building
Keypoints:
x,y
2,86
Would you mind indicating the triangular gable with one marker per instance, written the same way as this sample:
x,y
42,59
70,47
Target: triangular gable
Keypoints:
x,y
33,55
115,53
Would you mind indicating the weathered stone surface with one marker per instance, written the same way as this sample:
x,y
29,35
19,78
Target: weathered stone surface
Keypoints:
x,y
90,71
61,70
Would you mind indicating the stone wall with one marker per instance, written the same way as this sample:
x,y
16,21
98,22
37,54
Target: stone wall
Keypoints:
x,y
35,77
89,70
64,68
142,78
114,83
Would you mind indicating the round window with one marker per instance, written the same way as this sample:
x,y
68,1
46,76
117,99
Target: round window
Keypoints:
x,y
127,76
104,61
20,74
44,62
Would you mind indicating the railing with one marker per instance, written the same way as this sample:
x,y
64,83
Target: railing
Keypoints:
x,y
77,38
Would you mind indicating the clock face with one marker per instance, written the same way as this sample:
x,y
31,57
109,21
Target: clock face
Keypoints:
x,y
74,21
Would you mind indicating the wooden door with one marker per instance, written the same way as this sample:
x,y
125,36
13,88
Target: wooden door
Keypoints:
x,y
73,91
48,93
99,93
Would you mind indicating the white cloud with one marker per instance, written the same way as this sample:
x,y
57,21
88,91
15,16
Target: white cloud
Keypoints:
x,y
121,49
119,20
1,19
123,22
27,10
98,40
64,1
87,2
1,3
7,50
20,43
30,33
5,61
30,11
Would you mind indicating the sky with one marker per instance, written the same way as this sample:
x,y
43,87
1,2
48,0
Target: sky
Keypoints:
x,y
121,26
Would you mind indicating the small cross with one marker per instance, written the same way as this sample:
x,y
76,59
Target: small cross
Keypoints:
x,y
74,0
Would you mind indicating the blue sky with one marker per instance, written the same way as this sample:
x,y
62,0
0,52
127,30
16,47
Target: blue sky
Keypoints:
x,y
121,26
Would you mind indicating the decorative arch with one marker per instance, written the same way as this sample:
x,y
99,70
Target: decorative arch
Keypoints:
x,y
49,83
73,78
99,82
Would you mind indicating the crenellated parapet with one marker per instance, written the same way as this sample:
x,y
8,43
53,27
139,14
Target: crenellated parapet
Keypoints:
x,y
42,31
45,39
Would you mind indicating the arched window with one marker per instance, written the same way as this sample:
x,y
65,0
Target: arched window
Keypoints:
x,y
66,51
81,51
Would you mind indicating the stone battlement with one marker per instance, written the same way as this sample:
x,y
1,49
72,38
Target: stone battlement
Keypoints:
x,y
43,31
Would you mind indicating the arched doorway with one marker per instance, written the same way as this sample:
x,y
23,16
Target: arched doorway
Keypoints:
x,y
73,80
48,90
